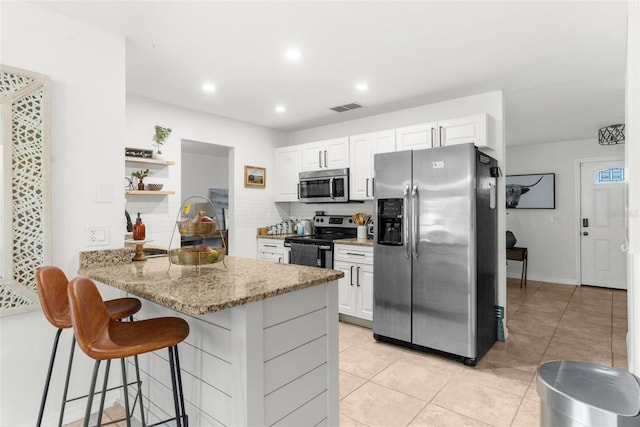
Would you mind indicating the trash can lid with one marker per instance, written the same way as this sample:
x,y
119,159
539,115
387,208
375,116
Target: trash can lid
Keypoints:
x,y
609,389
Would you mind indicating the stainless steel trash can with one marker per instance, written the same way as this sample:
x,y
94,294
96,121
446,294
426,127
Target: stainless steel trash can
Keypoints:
x,y
585,394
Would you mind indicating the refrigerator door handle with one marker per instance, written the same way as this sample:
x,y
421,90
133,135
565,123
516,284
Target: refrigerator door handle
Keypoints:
x,y
351,276
405,222
414,217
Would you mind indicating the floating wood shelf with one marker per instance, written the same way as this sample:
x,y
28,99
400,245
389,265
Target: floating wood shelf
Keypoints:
x,y
149,192
153,161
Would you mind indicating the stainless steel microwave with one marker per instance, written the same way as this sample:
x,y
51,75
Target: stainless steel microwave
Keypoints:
x,y
324,186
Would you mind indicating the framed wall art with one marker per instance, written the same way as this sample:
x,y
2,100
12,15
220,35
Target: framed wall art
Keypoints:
x,y
532,191
255,176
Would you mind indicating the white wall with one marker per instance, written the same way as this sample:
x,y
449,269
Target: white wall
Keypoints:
x,y
552,247
491,103
204,172
86,67
249,208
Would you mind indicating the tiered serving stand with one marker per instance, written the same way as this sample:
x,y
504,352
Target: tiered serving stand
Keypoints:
x,y
191,255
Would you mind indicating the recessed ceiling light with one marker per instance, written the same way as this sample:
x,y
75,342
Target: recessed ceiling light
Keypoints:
x,y
362,86
280,109
293,54
209,87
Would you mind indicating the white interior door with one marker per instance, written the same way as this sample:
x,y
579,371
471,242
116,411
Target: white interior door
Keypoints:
x,y
602,212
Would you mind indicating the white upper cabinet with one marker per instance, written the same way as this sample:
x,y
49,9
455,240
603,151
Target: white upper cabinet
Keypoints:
x,y
287,167
445,132
417,137
329,154
362,149
463,130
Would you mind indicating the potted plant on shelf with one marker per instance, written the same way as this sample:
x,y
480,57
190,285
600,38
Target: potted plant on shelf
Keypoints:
x,y
141,174
160,137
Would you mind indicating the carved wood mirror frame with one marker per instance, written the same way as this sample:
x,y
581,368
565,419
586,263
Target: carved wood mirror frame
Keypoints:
x,y
26,206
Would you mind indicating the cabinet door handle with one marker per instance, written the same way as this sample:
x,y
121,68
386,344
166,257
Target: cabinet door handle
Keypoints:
x,y
432,138
279,260
270,246
358,275
352,253
325,159
298,190
373,187
366,185
319,159
440,136
351,276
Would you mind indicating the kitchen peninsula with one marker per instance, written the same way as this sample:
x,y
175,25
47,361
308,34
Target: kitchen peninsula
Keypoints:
x,y
263,346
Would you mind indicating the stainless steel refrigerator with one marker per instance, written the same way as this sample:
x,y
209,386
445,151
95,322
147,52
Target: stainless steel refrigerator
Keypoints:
x,y
435,249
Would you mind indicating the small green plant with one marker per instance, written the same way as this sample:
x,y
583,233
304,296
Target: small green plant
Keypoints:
x,y
161,135
141,174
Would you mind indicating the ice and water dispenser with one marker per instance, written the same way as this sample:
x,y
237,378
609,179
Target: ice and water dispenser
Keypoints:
x,y
389,222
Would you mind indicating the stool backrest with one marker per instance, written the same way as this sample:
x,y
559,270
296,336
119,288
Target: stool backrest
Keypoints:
x,y
88,313
52,290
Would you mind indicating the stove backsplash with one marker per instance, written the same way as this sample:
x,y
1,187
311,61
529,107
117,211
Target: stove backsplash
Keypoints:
x,y
308,211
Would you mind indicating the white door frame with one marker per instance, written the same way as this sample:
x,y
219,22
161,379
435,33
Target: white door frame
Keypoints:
x,y
578,204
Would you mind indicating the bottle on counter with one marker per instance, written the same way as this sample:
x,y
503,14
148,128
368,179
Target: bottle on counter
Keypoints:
x,y
139,232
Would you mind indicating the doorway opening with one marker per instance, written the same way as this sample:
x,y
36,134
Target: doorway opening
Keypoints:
x,y
601,223
207,171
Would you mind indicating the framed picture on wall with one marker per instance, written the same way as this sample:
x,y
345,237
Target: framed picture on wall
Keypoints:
x,y
255,176
532,191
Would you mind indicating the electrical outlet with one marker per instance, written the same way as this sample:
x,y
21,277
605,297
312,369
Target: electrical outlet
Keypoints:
x,y
97,235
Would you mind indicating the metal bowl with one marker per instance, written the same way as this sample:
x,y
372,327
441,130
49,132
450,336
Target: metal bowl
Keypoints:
x,y
198,228
189,256
155,187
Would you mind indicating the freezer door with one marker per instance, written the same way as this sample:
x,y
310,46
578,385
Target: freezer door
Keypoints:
x,y
443,255
392,262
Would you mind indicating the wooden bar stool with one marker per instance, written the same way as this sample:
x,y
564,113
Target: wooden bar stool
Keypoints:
x,y
102,338
52,290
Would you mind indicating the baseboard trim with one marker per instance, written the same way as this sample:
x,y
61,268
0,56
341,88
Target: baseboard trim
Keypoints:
x,y
547,279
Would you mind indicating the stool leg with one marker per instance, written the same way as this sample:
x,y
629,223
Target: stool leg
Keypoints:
x,y
47,381
66,382
176,379
139,394
104,392
185,419
92,389
125,390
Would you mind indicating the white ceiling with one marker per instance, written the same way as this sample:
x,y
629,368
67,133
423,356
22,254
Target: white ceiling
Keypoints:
x,y
561,64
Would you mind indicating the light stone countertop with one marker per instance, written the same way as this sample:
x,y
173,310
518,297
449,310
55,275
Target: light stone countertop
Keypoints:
x,y
215,287
276,236
354,242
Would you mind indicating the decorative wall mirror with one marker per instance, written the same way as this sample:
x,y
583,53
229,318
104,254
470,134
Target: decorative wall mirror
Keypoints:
x,y
25,214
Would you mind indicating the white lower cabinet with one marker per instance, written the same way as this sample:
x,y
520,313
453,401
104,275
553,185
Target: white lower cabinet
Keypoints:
x,y
271,250
355,289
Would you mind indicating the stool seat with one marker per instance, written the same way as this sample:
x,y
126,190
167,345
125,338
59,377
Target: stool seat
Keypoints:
x,y
125,339
52,286
102,338
52,291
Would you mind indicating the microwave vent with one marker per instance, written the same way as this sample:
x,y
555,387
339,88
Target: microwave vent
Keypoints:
x,y
346,107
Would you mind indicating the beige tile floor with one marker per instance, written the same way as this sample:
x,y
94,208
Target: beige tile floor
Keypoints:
x,y
385,385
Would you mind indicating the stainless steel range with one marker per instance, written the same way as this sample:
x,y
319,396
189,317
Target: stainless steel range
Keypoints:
x,y
316,250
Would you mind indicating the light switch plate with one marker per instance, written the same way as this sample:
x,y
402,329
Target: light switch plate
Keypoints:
x,y
97,235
